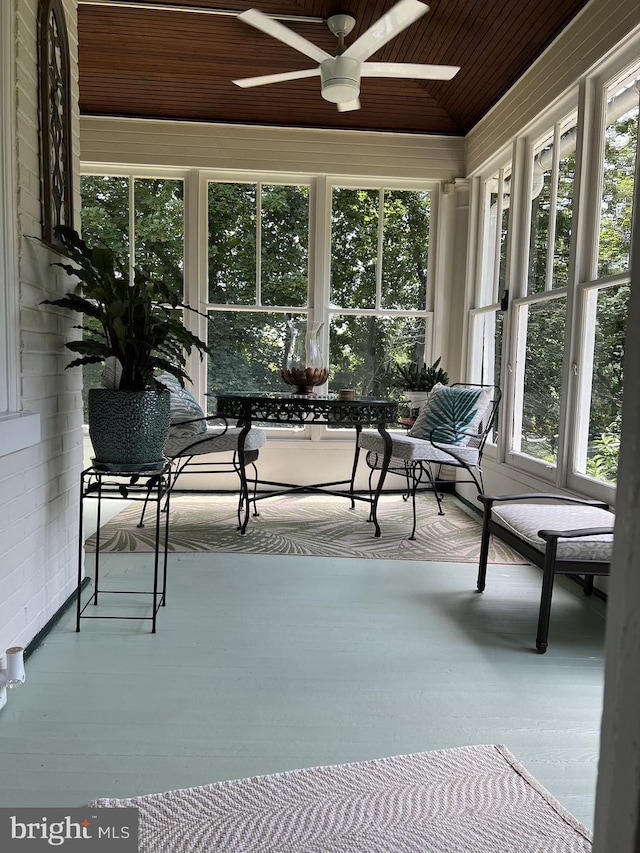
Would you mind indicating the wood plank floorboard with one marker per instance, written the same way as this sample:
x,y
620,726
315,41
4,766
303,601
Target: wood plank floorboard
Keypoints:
x,y
267,663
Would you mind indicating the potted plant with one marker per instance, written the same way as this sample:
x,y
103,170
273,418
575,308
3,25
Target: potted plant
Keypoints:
x,y
135,329
417,381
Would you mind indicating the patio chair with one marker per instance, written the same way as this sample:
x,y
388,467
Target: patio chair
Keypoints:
x,y
451,429
194,434
562,534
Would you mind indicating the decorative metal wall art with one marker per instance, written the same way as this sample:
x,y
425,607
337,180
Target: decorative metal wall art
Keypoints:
x,y
54,102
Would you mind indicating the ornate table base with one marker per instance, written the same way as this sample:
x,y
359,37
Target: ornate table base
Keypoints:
x,y
296,409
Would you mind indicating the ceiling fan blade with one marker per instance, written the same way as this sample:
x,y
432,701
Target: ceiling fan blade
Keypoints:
x,y
347,106
247,82
274,28
389,25
408,70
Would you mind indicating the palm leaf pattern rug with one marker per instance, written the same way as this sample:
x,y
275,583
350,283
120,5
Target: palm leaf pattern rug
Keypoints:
x,y
309,525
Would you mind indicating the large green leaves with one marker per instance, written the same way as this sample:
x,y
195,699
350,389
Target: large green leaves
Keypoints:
x,y
139,322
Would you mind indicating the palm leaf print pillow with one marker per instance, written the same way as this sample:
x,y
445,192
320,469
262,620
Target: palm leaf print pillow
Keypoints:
x,y
449,414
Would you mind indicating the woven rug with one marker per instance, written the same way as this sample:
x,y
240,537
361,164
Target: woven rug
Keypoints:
x,y
474,799
309,525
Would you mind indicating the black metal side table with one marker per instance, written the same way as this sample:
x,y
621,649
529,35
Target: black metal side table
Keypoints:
x,y
152,486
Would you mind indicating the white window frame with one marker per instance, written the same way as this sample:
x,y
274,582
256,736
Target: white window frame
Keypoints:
x,y
205,307
190,282
18,429
318,309
324,270
555,473
587,282
486,269
590,95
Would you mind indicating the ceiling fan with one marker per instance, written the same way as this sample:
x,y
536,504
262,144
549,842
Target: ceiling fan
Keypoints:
x,y
340,74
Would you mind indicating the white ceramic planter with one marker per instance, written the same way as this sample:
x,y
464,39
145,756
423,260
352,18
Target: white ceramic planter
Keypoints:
x,y
415,399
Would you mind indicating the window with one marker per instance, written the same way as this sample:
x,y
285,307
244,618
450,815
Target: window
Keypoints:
x,y
563,254
487,319
142,221
378,304
540,347
258,264
604,300
361,271
258,261
601,393
540,316
552,208
18,429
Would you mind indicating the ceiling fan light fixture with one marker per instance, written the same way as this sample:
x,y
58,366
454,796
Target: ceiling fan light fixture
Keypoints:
x,y
340,79
340,74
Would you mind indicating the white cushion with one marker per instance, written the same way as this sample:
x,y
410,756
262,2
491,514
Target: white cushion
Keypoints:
x,y
184,407
525,520
409,449
213,442
111,373
452,408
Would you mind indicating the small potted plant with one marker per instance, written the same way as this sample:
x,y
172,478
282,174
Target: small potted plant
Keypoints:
x,y
417,381
135,329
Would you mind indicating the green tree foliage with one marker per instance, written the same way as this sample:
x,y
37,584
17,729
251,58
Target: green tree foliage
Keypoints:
x,y
621,142
158,230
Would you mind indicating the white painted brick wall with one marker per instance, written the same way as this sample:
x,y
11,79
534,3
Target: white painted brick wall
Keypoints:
x,y
39,485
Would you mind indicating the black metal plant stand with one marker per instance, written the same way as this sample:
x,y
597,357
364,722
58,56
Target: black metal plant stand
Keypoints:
x,y
142,485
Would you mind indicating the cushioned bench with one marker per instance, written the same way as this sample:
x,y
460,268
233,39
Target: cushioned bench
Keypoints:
x,y
562,535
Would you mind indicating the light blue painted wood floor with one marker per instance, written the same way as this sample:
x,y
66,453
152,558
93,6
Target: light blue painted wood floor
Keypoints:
x,y
267,663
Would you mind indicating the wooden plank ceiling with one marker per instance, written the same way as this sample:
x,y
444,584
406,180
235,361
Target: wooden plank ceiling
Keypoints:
x,y
179,62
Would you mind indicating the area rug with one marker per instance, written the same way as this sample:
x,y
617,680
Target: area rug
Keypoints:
x,y
309,525
474,799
